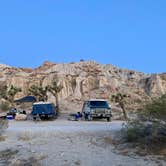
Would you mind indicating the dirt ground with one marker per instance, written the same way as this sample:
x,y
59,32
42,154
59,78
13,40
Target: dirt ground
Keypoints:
x,y
65,143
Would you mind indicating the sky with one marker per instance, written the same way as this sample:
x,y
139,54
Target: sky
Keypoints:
x,y
126,33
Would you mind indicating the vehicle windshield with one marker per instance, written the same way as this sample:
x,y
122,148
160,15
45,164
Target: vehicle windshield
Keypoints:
x,y
99,104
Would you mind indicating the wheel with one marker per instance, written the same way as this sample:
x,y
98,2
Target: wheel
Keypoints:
x,y
54,117
43,118
38,117
108,119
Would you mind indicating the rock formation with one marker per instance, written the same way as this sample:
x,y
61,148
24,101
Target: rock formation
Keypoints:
x,y
84,80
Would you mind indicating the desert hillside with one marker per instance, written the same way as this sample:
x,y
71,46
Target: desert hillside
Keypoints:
x,y
84,80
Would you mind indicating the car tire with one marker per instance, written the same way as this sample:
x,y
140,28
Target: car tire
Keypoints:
x,y
108,119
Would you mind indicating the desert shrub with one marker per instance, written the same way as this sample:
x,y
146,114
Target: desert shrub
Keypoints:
x,y
133,131
4,106
147,133
3,126
154,110
149,128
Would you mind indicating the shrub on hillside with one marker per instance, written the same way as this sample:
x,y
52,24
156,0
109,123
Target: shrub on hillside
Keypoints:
x,y
3,126
155,110
4,106
149,128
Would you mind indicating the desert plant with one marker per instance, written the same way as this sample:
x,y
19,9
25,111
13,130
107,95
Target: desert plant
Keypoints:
x,y
54,88
154,110
4,106
3,126
149,128
39,92
43,93
4,91
148,135
120,99
9,93
12,92
33,90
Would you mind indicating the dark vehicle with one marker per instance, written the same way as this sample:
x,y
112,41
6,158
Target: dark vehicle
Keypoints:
x,y
96,108
44,110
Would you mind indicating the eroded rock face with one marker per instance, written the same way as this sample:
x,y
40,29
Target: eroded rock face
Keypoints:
x,y
84,80
153,85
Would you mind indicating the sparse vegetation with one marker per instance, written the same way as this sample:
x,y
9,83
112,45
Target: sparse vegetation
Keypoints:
x,y
31,161
4,106
3,127
54,88
3,90
9,93
149,128
155,110
121,100
7,155
12,92
39,92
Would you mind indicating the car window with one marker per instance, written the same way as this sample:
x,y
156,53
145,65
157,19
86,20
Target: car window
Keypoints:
x,y
98,104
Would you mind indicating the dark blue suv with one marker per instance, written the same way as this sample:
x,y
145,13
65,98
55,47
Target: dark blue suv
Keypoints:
x,y
44,110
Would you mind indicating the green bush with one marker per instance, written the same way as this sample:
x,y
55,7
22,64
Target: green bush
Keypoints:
x,y
155,110
133,131
149,128
4,106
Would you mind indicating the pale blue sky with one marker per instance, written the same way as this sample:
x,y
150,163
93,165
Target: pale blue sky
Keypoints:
x,y
126,33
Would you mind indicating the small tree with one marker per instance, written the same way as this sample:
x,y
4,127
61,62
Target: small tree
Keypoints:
x,y
3,92
43,93
33,90
39,92
54,88
4,106
12,92
154,110
9,93
148,129
120,99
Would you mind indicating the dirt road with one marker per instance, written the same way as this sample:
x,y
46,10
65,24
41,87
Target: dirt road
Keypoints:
x,y
65,143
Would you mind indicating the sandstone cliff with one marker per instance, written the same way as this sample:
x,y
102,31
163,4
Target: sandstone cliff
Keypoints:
x,y
84,80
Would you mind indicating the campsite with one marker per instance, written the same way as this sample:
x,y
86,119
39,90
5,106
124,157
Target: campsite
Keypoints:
x,y
82,83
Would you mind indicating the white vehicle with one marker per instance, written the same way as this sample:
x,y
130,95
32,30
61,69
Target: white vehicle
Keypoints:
x,y
96,108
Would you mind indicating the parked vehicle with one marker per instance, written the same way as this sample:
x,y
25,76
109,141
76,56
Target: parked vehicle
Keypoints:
x,y
44,110
96,108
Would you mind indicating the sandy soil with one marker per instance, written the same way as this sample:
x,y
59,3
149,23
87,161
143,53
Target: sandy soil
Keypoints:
x,y
65,143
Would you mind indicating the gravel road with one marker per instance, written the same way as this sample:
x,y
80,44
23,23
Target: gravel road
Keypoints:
x,y
65,143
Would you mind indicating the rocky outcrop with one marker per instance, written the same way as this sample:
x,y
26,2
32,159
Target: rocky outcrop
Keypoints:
x,y
84,80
